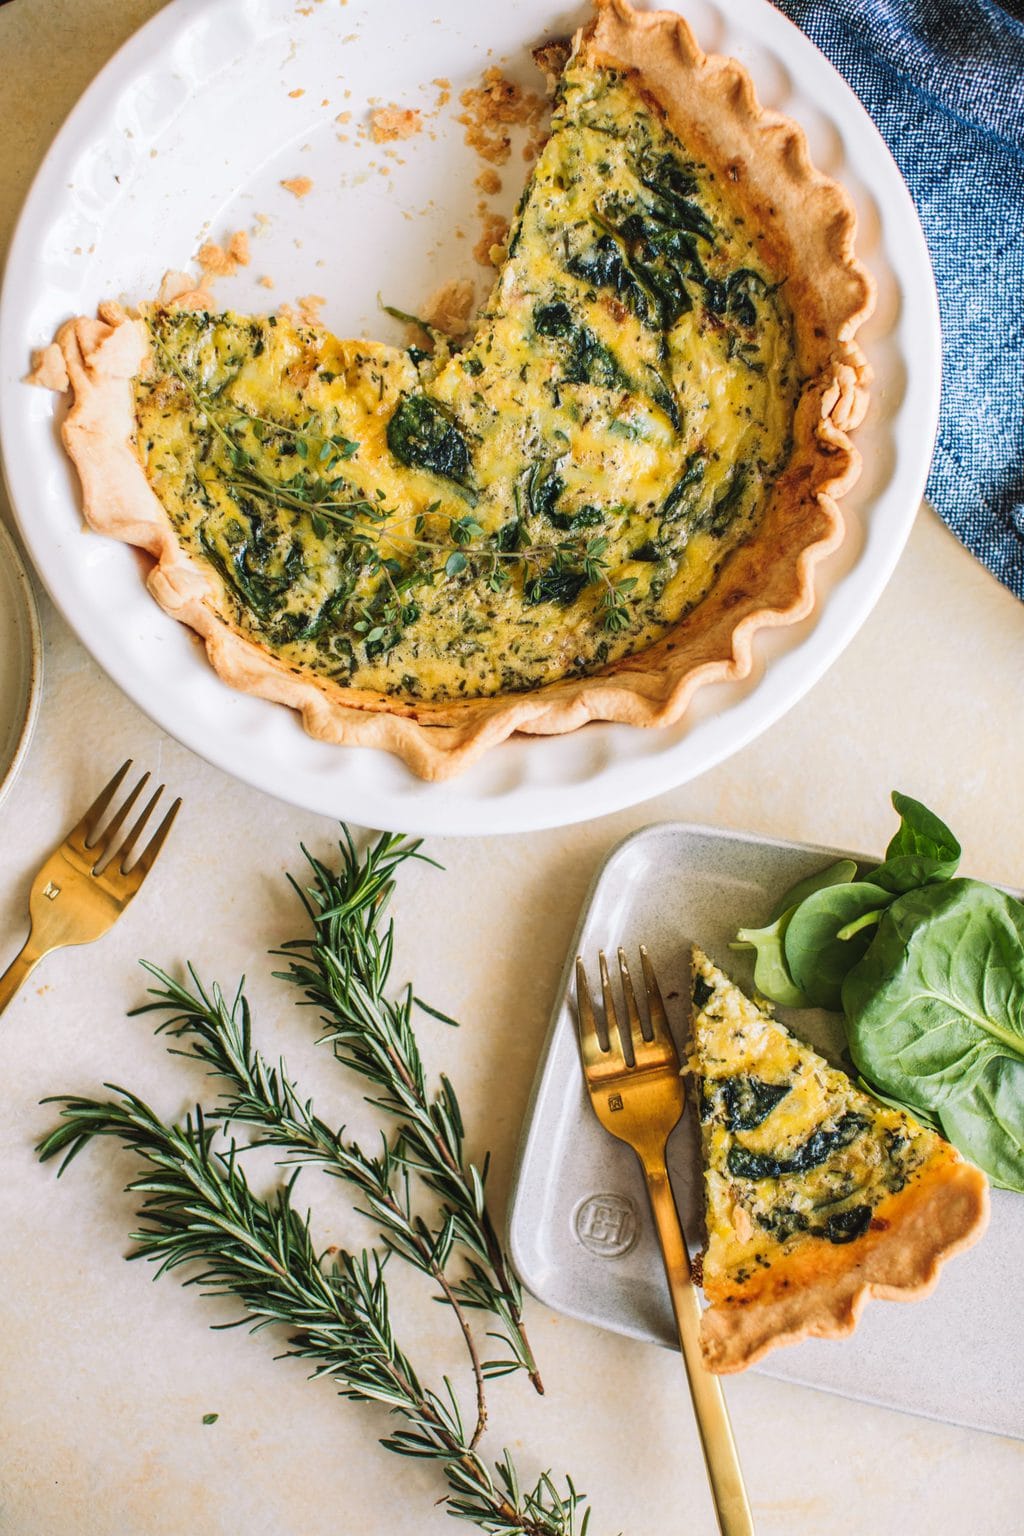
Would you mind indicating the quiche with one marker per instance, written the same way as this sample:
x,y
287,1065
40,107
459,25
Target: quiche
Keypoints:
x,y
817,1196
585,511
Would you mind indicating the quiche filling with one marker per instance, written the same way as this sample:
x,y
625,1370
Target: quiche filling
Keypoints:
x,y
548,500
796,1158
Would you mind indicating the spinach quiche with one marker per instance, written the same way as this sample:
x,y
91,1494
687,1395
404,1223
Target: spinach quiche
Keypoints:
x,y
585,511
817,1195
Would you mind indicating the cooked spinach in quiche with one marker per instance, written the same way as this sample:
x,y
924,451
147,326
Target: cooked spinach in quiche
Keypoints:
x,y
816,1194
582,512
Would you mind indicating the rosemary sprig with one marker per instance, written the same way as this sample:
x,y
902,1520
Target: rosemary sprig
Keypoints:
x,y
344,970
265,1099
199,1209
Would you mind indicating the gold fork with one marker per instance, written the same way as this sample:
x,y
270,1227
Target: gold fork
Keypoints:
x,y
641,1103
87,882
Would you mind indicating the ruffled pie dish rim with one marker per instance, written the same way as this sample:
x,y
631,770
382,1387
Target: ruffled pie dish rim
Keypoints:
x,y
767,582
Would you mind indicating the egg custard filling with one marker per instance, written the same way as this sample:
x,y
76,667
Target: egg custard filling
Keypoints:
x,y
584,512
816,1194
551,498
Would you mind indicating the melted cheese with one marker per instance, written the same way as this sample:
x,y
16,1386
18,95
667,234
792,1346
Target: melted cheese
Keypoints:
x,y
548,500
794,1154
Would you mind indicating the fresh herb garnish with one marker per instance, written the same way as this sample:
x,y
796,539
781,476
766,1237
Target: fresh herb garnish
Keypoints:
x,y
200,1211
929,973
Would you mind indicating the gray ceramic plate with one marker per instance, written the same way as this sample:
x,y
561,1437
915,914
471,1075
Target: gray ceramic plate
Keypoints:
x,y
579,1228
21,660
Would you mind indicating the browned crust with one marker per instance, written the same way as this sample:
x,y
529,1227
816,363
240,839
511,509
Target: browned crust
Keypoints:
x,y
767,582
821,1291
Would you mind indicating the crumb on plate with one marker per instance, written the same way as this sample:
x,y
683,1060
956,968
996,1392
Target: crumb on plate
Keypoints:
x,y
390,123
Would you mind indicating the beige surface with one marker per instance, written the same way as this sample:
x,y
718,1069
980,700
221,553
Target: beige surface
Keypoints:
x,y
105,1378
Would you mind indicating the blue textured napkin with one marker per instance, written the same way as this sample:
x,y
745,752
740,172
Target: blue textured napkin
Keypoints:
x,y
944,82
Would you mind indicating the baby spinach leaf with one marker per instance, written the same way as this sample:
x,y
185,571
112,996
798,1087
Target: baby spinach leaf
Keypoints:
x,y
818,959
839,873
935,1017
771,973
922,851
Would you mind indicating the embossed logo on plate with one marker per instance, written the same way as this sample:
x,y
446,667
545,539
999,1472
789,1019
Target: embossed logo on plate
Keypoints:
x,y
606,1225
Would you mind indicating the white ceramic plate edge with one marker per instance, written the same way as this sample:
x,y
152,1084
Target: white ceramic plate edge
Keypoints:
x,y
32,684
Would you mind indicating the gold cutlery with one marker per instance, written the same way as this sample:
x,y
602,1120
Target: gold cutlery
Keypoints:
x,y
638,1095
87,881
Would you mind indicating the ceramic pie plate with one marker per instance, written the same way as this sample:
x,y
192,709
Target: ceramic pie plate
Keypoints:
x,y
579,1228
21,662
187,136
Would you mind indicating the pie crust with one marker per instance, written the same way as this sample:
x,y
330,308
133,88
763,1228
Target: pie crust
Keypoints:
x,y
709,102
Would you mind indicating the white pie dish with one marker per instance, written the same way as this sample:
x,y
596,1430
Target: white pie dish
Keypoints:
x,y
120,187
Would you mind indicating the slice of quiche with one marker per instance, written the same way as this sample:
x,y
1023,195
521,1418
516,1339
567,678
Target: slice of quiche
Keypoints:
x,y
817,1196
584,512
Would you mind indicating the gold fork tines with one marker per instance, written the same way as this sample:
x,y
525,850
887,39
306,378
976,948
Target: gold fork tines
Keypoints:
x,y
638,1095
87,881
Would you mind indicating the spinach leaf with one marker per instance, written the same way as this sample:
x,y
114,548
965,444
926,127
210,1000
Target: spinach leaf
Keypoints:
x,y
817,1149
553,319
555,585
935,1017
591,362
543,488
839,873
771,973
742,1103
677,503
923,850
772,976
828,934
424,435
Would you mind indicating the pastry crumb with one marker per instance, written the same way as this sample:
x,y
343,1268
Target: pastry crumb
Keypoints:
x,y
450,309
310,306
220,261
489,250
298,186
551,58
266,282
492,108
181,288
489,181
390,123
238,247
298,91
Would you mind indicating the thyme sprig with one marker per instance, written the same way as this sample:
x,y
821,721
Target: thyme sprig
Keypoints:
x,y
198,1208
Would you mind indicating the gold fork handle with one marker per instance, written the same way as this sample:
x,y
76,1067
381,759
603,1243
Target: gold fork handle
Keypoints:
x,y
724,1475
20,968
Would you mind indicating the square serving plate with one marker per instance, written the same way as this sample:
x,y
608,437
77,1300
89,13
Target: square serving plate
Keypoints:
x,y
580,1231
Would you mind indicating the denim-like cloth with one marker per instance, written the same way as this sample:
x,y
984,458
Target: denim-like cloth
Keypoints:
x,y
944,82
